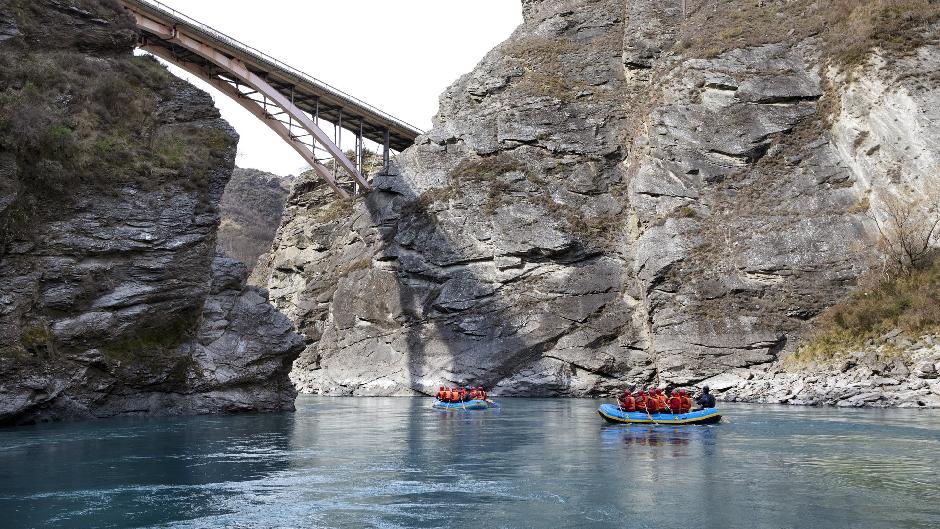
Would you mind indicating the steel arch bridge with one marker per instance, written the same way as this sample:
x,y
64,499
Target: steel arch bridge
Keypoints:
x,y
290,102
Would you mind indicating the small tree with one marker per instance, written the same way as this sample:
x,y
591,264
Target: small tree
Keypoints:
x,y
908,232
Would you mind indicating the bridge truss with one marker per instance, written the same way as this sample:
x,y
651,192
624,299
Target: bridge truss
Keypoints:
x,y
289,102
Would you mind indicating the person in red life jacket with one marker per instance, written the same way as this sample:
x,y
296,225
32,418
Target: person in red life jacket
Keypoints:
x,y
675,403
440,393
651,405
641,401
686,402
626,401
481,392
462,394
662,403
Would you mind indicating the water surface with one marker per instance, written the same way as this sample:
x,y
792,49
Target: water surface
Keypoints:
x,y
392,463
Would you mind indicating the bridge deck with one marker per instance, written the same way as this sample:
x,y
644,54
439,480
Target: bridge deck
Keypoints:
x,y
308,93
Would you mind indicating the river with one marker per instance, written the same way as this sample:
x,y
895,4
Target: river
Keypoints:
x,y
539,463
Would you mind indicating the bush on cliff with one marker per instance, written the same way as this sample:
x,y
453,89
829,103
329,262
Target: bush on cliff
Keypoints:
x,y
906,303
74,121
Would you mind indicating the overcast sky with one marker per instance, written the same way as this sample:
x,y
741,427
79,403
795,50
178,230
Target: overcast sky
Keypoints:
x,y
396,55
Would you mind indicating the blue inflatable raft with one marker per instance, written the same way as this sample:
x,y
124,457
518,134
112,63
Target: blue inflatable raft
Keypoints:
x,y
611,413
469,405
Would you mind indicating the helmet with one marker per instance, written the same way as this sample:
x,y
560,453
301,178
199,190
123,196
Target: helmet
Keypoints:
x,y
705,389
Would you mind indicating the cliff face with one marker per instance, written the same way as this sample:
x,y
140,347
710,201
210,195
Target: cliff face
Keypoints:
x,y
111,171
251,213
622,191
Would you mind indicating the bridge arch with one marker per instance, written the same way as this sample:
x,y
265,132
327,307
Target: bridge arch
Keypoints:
x,y
291,103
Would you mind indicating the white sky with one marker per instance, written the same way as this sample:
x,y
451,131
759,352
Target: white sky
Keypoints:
x,y
395,55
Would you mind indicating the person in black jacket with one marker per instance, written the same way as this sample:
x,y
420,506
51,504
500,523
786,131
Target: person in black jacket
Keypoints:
x,y
706,399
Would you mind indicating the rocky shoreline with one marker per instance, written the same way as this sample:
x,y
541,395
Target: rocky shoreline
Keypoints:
x,y
872,378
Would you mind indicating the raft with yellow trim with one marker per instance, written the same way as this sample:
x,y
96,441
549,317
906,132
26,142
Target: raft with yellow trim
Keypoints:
x,y
476,404
611,413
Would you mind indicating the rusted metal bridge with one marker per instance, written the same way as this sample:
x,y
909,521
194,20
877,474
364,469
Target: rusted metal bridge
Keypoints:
x,y
290,102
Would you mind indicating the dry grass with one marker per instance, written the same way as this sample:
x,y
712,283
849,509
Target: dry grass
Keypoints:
x,y
472,172
338,208
850,29
908,304
543,62
361,264
486,168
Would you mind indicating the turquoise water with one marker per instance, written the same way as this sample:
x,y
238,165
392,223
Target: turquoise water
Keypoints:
x,y
533,463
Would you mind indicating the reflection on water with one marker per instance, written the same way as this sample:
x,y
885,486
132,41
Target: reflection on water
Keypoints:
x,y
533,463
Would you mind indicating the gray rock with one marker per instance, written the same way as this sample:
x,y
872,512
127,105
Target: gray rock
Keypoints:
x,y
111,301
597,205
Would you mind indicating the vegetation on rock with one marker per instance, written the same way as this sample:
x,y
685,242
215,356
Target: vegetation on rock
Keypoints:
x,y
71,119
879,309
850,29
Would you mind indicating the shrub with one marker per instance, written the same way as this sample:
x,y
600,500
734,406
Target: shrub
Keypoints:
x,y
486,168
38,340
908,231
910,304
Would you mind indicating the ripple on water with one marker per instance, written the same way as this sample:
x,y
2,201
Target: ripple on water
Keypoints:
x,y
533,463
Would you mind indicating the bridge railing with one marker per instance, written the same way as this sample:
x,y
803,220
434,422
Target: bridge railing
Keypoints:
x,y
269,60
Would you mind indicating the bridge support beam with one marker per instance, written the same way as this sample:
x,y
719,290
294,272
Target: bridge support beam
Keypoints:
x,y
241,74
386,152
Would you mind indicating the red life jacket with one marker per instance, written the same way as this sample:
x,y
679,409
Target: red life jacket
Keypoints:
x,y
686,405
675,404
661,403
628,403
641,402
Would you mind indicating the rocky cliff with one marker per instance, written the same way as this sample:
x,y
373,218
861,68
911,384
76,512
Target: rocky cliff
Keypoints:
x,y
625,190
251,213
111,171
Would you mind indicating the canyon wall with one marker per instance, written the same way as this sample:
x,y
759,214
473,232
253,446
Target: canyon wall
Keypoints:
x,y
112,301
621,192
